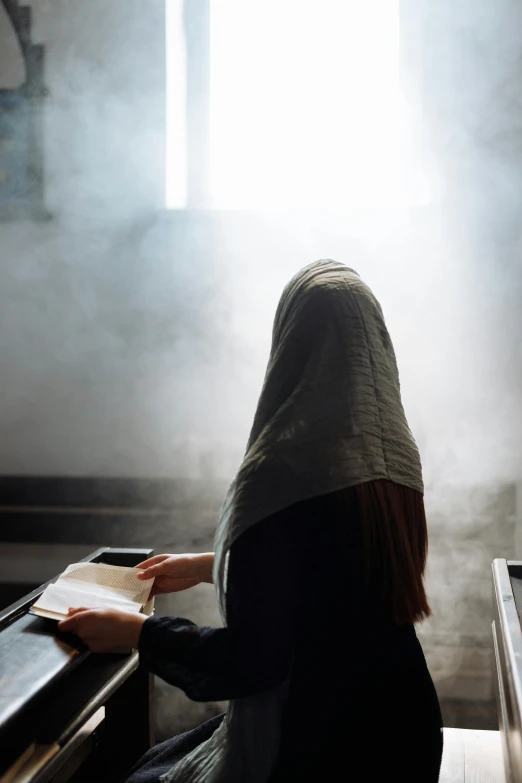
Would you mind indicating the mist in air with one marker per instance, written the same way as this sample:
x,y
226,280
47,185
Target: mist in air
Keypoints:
x,y
134,338
146,337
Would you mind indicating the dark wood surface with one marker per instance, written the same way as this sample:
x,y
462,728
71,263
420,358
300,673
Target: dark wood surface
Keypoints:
x,y
50,684
85,527
32,655
124,493
96,511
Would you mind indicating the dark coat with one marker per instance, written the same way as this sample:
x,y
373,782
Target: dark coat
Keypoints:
x,y
361,703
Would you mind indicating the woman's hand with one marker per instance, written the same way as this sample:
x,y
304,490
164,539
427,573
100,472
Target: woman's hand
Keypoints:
x,y
173,573
104,630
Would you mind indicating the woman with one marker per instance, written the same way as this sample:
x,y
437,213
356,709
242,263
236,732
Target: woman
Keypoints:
x,y
320,553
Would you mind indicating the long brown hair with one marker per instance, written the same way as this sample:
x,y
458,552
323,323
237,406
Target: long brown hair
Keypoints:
x,y
394,539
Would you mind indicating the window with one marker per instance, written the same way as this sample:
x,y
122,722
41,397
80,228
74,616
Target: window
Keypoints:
x,y
297,104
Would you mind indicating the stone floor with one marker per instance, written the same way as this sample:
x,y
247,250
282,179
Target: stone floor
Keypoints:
x,y
472,756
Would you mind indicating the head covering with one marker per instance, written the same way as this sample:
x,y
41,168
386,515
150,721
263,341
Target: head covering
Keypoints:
x,y
329,416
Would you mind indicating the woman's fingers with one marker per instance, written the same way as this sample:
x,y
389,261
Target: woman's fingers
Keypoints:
x,y
176,572
152,561
66,625
152,571
69,623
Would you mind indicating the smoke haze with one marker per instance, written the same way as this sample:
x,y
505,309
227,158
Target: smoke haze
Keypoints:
x,y
133,342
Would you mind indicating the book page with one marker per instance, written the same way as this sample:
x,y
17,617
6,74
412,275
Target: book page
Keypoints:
x,y
60,596
93,585
116,578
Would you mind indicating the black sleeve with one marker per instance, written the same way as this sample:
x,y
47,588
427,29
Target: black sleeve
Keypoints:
x,y
254,652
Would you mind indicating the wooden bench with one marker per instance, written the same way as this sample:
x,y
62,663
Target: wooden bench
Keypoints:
x,y
66,714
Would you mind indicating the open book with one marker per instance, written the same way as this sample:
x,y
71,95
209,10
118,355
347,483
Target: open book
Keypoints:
x,y
94,585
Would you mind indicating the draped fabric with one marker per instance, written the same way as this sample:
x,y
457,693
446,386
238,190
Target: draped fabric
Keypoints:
x,y
329,416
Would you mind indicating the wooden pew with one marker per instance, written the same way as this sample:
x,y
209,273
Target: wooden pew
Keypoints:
x,y
67,714
507,645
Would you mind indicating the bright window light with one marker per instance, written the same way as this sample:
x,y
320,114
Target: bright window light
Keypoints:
x,y
306,109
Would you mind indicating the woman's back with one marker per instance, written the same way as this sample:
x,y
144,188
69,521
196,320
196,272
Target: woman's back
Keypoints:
x,y
319,596
359,693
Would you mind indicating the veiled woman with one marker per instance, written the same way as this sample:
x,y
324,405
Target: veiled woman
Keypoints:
x,y
319,559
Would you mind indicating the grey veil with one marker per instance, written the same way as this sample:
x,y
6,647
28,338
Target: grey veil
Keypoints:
x,y
329,416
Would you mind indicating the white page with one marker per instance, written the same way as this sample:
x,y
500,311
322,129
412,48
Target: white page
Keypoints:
x,y
84,588
94,585
121,579
58,598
